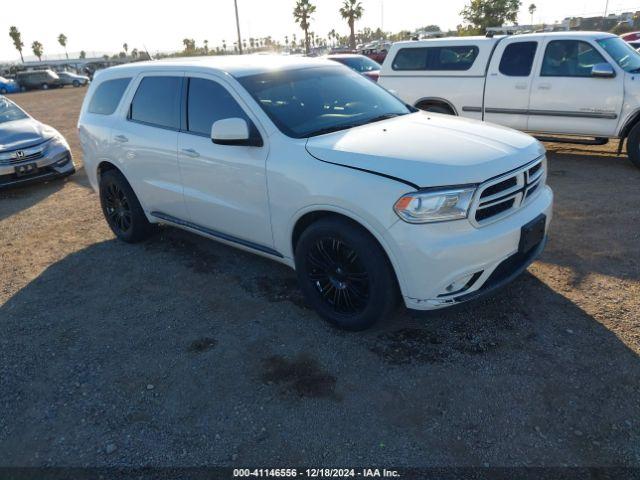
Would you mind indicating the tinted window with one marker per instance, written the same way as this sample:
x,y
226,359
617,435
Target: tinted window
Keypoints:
x,y
157,102
314,101
209,102
623,53
436,58
359,64
107,96
517,59
569,58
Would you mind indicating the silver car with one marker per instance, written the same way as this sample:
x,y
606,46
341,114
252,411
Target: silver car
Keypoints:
x,y
29,150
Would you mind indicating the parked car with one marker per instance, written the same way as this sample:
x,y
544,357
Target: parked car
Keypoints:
x,y
68,78
359,63
30,151
563,83
38,79
310,164
8,86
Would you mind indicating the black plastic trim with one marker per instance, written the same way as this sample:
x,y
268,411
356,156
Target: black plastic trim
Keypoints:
x,y
220,235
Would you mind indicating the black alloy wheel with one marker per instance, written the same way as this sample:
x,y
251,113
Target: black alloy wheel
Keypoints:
x,y
337,273
344,273
121,208
117,208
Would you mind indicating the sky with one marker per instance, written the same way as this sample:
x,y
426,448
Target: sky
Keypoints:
x,y
104,25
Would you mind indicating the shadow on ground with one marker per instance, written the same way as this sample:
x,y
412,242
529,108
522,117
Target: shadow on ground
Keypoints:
x,y
178,352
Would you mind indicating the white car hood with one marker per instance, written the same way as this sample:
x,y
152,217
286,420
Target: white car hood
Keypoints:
x,y
428,150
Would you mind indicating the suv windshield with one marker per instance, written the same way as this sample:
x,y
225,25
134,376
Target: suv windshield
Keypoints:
x,y
359,64
313,101
10,112
625,56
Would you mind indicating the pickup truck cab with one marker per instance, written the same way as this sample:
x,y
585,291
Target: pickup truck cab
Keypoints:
x,y
572,84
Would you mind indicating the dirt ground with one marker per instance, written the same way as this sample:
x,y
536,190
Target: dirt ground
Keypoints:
x,y
184,352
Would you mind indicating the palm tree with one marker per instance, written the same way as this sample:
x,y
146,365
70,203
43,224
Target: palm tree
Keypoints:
x,y
62,40
83,54
37,49
224,45
206,47
16,36
302,15
532,10
252,42
125,47
351,11
286,41
134,53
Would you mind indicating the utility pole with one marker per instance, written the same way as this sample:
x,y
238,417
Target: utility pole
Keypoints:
x,y
382,15
238,27
606,9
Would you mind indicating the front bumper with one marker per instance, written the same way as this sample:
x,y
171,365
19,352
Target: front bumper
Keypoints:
x,y
431,257
55,163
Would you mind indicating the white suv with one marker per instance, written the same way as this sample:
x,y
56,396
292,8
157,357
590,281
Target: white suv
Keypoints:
x,y
310,164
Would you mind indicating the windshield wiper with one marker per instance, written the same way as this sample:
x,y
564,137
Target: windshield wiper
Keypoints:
x,y
379,118
333,128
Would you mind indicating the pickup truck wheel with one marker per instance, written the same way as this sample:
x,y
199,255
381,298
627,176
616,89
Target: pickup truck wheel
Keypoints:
x,y
344,274
121,208
45,86
76,83
633,145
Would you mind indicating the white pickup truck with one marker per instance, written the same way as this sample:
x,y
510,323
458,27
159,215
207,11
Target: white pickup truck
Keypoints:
x,y
572,84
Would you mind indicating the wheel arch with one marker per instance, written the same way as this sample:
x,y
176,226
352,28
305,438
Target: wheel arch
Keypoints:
x,y
309,216
443,102
631,122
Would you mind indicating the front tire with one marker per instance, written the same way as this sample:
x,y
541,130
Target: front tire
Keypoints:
x,y
76,83
344,274
121,208
633,145
3,91
45,86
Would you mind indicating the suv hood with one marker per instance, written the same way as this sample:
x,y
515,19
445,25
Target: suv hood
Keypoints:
x,y
23,133
427,150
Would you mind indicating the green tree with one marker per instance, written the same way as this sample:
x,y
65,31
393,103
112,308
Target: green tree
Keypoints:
x,y
62,40
16,36
125,47
83,54
482,14
532,10
38,49
302,16
206,47
134,53
351,11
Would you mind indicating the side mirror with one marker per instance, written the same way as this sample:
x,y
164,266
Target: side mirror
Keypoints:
x,y
602,70
231,131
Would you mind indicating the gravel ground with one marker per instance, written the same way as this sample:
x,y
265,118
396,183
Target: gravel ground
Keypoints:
x,y
184,352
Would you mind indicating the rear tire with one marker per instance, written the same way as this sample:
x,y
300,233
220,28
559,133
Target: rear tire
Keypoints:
x,y
3,91
76,83
344,274
121,208
633,145
45,86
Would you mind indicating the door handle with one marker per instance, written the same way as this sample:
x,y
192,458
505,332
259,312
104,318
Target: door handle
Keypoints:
x,y
190,152
544,86
521,86
121,138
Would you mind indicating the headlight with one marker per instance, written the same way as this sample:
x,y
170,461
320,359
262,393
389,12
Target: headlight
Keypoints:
x,y
435,206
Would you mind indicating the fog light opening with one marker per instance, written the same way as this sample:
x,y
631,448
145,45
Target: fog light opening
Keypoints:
x,y
62,162
461,284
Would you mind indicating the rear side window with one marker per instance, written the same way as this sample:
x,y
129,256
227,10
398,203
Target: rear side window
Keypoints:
x,y
570,58
455,57
517,59
107,96
209,102
157,102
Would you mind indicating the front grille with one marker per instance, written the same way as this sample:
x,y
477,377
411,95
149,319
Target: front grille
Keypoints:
x,y
507,193
15,157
